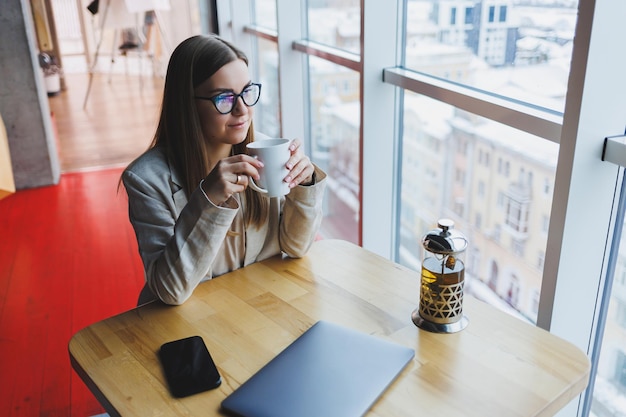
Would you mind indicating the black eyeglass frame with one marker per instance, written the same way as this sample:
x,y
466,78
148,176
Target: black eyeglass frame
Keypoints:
x,y
213,99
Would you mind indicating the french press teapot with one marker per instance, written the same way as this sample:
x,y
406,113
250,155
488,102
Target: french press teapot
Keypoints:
x,y
443,277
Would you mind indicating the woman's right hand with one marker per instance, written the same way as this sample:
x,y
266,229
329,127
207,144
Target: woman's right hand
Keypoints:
x,y
230,176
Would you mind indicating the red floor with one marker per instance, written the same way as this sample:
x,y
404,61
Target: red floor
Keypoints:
x,y
68,258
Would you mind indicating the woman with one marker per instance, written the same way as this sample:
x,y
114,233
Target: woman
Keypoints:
x,y
189,201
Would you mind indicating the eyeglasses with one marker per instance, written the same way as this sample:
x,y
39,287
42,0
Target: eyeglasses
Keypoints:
x,y
226,102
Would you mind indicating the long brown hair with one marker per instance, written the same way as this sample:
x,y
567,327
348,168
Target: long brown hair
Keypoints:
x,y
179,132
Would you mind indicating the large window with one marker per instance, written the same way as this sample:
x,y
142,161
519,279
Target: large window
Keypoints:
x,y
461,166
491,113
335,110
334,134
490,171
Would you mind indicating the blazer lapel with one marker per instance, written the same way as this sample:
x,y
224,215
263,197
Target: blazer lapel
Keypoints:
x,y
178,193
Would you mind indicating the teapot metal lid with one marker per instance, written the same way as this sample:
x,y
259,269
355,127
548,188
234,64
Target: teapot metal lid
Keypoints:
x,y
444,240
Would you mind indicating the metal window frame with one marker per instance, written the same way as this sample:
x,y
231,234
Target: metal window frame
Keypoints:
x,y
526,117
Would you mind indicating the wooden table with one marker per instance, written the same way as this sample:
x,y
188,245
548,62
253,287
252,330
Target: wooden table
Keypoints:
x,y
497,366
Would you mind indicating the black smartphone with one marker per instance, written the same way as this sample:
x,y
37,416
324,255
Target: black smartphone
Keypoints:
x,y
188,367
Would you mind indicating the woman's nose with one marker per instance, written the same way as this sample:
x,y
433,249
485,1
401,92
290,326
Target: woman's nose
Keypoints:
x,y
240,106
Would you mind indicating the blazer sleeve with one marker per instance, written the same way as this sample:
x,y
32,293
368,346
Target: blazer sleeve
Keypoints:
x,y
302,217
177,251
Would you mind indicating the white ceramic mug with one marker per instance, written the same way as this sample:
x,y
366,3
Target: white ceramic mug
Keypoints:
x,y
274,153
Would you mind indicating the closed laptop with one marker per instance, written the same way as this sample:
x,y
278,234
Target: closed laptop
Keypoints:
x,y
329,371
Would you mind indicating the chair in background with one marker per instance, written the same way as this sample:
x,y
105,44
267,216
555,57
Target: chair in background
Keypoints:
x,y
136,45
130,18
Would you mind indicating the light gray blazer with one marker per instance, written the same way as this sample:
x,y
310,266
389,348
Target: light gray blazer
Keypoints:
x,y
178,239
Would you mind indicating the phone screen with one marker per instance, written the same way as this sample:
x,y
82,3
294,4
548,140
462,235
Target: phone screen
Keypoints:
x,y
188,367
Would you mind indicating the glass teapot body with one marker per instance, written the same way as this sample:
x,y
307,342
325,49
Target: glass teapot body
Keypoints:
x,y
442,280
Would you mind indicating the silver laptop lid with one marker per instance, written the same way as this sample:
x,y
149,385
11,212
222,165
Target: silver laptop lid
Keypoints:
x,y
329,371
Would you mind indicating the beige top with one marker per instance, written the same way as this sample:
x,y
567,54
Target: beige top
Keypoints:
x,y
231,254
184,242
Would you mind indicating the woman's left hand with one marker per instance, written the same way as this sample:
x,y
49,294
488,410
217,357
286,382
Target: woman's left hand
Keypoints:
x,y
300,167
